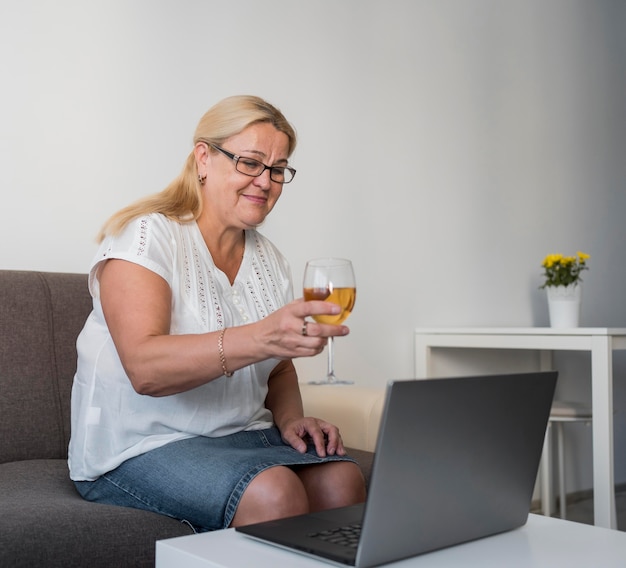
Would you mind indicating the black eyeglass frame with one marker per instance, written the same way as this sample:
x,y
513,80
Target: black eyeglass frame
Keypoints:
x,y
235,158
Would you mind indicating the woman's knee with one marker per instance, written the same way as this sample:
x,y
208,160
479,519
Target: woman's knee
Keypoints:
x,y
274,493
333,484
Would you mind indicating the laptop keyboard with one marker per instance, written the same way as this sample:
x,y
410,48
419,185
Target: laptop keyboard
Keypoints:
x,y
344,536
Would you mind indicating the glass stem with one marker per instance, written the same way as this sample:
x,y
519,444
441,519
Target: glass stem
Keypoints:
x,y
330,375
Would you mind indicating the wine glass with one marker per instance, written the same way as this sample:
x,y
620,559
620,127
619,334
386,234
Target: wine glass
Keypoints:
x,y
332,280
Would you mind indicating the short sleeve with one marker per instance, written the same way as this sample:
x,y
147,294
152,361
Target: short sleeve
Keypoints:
x,y
146,241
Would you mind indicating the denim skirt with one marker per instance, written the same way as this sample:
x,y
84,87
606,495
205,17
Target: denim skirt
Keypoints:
x,y
198,480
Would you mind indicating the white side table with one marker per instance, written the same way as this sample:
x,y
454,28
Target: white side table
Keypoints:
x,y
600,342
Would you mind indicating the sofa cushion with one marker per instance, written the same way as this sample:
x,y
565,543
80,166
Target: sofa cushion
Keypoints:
x,y
41,315
355,410
45,522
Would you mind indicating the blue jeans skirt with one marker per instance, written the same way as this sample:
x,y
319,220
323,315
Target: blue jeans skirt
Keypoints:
x,y
198,480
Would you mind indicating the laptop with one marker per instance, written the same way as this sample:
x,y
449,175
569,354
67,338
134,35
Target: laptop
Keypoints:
x,y
456,460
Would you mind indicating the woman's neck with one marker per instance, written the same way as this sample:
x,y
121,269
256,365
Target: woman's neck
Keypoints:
x,y
227,249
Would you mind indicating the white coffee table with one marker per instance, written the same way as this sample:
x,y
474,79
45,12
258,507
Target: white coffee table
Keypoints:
x,y
543,542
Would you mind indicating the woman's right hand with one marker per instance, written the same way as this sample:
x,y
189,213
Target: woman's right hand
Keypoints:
x,y
287,332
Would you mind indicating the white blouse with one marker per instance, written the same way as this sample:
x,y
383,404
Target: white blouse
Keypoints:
x,y
110,421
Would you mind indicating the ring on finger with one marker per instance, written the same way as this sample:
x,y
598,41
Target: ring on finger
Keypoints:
x,y
304,330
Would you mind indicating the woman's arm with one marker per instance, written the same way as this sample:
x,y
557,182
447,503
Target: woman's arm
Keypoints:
x,y
137,307
283,397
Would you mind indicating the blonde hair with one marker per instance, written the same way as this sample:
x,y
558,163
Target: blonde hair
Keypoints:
x,y
181,199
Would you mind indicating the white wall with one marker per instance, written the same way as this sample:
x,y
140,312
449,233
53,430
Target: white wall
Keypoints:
x,y
446,147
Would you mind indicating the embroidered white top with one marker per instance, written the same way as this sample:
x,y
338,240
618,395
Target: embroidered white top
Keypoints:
x,y
110,421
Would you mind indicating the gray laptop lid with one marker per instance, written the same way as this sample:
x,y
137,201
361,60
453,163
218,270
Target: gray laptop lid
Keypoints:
x,y
456,460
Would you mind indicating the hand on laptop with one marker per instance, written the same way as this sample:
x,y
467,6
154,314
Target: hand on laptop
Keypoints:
x,y
300,432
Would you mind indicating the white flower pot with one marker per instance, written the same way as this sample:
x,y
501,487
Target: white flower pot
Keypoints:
x,y
564,305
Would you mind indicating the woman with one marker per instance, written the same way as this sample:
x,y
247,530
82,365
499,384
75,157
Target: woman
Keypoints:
x,y
185,400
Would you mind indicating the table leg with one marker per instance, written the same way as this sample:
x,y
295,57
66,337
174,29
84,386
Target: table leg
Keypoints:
x,y
546,363
602,410
546,470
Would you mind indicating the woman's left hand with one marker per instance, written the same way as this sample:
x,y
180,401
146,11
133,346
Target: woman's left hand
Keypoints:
x,y
326,438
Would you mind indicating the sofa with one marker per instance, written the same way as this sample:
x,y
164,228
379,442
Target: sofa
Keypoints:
x,y
43,520
355,409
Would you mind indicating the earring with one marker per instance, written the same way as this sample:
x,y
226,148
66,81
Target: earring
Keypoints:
x,y
201,179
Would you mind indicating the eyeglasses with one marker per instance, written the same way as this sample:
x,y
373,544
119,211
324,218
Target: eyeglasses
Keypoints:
x,y
254,168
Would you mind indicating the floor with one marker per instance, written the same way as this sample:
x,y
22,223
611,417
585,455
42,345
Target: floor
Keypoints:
x,y
582,511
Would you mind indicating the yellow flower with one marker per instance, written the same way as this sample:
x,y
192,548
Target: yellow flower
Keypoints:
x,y
551,259
562,270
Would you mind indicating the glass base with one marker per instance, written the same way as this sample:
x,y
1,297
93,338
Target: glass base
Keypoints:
x,y
331,382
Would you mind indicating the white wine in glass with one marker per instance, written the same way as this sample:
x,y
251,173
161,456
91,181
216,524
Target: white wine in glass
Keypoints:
x,y
330,280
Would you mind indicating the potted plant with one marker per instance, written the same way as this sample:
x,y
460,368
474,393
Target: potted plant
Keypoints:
x,y
562,283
